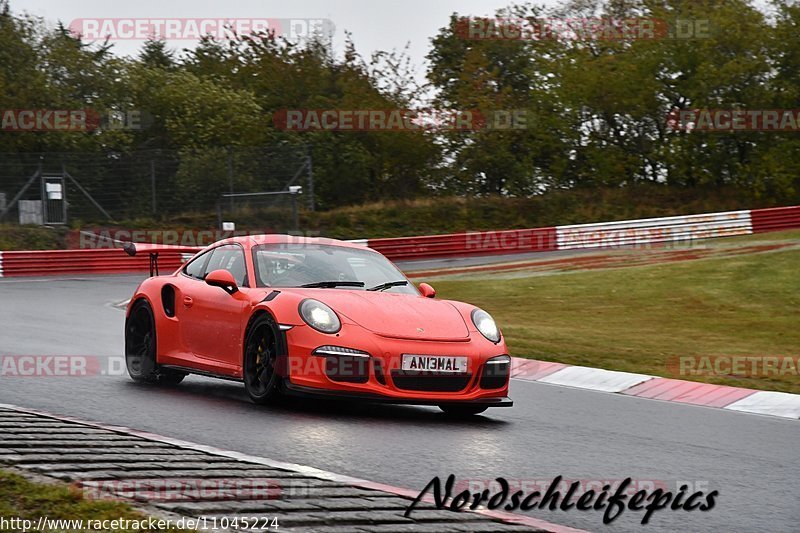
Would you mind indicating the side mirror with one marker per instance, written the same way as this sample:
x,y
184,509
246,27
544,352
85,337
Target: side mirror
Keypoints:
x,y
222,279
427,291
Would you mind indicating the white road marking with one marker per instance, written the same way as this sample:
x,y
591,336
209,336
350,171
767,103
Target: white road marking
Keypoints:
x,y
769,403
584,377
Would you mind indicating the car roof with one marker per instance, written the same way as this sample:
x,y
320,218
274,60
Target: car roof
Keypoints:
x,y
256,240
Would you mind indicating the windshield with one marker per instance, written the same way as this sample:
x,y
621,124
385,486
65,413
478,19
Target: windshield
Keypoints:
x,y
326,266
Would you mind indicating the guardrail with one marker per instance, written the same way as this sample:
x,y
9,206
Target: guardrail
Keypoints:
x,y
654,230
685,228
466,244
775,219
97,261
597,235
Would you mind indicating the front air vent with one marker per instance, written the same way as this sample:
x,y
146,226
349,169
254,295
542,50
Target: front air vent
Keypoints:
x,y
424,381
347,369
495,376
377,366
345,365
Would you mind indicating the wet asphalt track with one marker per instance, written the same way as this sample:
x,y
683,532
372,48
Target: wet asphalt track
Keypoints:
x,y
752,460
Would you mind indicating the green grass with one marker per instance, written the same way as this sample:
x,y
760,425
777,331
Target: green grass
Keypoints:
x,y
21,498
633,319
13,237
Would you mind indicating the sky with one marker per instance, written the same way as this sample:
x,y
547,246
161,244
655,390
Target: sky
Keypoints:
x,y
374,24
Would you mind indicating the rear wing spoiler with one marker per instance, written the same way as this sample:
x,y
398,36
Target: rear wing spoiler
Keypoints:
x,y
132,248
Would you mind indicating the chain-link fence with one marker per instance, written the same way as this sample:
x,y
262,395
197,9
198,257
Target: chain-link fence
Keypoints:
x,y
212,184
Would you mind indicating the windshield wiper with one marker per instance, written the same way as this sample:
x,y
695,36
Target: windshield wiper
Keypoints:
x,y
332,284
388,285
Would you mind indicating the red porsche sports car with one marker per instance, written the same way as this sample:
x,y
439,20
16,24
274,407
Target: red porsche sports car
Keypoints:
x,y
315,317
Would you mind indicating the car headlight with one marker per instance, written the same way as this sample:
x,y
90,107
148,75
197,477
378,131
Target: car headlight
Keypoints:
x,y
319,316
486,325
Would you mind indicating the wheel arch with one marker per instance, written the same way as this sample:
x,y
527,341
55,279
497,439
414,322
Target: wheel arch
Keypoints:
x,y
139,297
280,337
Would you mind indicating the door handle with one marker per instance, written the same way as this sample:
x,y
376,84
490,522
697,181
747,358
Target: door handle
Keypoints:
x,y
187,301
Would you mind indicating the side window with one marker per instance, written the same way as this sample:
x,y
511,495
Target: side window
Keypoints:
x,y
196,268
231,258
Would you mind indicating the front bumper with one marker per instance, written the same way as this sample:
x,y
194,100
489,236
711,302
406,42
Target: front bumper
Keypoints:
x,y
379,377
312,392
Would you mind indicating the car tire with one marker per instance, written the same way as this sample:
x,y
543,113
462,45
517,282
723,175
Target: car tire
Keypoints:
x,y
140,348
461,410
259,369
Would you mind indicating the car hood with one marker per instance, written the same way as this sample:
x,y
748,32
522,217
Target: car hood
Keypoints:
x,y
401,316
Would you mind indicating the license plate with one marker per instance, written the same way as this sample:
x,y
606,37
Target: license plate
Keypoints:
x,y
435,363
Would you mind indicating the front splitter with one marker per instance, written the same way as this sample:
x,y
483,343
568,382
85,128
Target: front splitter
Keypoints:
x,y
313,392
